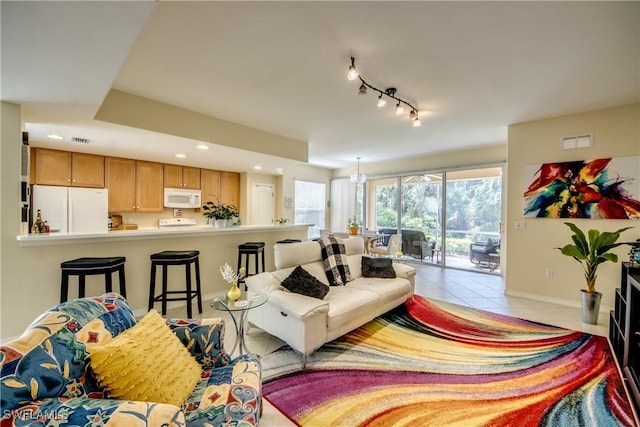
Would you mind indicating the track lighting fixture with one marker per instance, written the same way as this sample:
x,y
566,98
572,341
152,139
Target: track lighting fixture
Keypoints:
x,y
353,74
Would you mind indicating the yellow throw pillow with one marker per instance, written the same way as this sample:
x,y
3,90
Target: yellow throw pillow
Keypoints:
x,y
147,362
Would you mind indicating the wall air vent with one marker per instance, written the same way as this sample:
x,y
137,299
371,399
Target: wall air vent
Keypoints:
x,y
577,141
79,140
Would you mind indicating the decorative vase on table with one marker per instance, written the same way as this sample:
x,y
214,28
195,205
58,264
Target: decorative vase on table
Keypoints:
x,y
221,223
234,293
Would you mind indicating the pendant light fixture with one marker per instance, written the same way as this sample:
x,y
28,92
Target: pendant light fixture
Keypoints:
x,y
358,178
353,74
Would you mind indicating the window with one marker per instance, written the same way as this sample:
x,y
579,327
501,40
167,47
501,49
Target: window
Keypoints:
x,y
309,206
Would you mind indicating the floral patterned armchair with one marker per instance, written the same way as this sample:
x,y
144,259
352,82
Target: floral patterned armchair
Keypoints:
x,y
46,377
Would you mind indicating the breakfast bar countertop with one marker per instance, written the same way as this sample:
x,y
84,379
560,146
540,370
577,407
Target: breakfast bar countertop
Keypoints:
x,y
147,233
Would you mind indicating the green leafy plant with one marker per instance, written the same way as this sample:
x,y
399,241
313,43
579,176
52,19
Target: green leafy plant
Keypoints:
x,y
592,252
282,220
219,210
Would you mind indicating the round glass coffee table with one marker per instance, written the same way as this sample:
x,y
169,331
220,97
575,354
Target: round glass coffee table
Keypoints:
x,y
238,312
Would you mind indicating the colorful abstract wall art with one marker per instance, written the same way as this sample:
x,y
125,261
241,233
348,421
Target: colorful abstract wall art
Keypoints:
x,y
597,189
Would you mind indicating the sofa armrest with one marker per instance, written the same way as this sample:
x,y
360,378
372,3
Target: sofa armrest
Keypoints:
x,y
296,305
262,283
204,338
406,272
83,410
403,270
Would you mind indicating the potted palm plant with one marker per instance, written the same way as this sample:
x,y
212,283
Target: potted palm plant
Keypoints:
x,y
590,253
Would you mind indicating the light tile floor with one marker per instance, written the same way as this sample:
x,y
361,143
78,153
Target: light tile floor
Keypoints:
x,y
477,290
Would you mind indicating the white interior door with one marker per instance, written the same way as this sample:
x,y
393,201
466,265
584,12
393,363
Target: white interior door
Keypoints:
x,y
262,204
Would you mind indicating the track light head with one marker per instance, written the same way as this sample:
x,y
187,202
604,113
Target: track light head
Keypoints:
x,y
352,73
399,108
412,114
381,101
416,122
362,90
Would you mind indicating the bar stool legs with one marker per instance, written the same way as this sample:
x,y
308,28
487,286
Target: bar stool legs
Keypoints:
x,y
250,249
165,259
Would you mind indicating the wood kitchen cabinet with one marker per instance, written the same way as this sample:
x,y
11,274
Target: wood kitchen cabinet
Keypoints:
x,y
220,186
55,167
230,188
210,185
134,185
176,176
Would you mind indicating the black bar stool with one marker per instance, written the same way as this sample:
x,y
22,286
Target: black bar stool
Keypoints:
x,y
166,259
250,249
83,267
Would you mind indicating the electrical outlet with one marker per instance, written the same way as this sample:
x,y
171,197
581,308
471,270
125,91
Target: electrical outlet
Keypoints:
x,y
549,272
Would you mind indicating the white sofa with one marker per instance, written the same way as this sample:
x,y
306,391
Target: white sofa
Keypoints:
x,y
305,323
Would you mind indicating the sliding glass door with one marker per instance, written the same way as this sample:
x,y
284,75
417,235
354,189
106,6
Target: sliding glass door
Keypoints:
x,y
422,216
473,218
381,210
450,218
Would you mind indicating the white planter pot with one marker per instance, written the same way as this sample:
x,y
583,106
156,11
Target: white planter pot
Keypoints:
x,y
221,223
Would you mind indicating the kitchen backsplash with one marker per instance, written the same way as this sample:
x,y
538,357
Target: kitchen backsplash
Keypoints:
x,y
150,220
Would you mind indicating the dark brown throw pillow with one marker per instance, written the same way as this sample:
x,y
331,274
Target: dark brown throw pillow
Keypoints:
x,y
381,268
302,282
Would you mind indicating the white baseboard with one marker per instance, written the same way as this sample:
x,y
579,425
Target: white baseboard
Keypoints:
x,y
173,304
551,300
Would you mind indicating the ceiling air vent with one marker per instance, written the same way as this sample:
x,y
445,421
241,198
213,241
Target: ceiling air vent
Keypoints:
x,y
79,140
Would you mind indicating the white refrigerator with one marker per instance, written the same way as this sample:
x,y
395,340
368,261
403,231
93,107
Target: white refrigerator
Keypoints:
x,y
72,209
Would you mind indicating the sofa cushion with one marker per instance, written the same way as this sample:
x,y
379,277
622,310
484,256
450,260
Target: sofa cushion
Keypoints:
x,y
204,338
334,257
386,289
349,306
381,268
301,282
141,364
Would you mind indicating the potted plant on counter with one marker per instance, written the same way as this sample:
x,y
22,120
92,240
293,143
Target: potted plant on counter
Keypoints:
x,y
590,253
220,212
354,227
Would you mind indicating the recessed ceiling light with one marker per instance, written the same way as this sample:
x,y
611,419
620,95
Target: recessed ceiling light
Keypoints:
x,y
202,147
181,156
54,136
257,167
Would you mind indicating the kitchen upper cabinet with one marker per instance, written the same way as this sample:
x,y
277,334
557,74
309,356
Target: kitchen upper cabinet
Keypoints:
x,y
120,177
220,186
176,176
210,185
134,185
55,167
230,188
149,187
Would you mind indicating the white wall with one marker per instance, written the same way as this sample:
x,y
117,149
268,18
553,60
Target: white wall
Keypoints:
x,y
530,252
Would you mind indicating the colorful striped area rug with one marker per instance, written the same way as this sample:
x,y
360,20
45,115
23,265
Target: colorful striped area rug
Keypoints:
x,y
431,363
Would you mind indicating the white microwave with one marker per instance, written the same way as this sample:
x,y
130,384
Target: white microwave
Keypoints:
x,y
181,198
